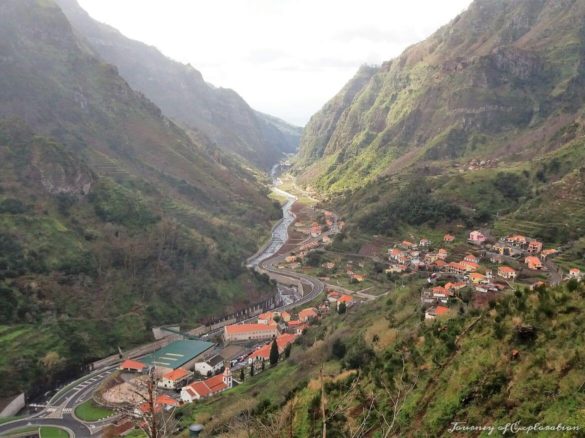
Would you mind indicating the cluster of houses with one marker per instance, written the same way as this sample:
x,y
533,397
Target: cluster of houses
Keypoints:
x,y
278,326
409,256
316,229
270,325
337,299
294,261
515,249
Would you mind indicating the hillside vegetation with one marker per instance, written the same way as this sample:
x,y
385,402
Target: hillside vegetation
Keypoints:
x,y
495,83
388,372
112,219
485,116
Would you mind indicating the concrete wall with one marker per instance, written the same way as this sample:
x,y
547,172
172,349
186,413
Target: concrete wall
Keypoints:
x,y
14,406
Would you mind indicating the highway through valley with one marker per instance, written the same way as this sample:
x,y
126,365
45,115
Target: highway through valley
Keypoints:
x,y
59,410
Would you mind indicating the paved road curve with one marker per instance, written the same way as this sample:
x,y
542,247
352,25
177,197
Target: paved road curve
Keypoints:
x,y
59,410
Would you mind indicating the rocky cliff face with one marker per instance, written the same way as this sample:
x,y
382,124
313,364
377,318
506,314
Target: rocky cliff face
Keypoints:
x,y
183,95
474,89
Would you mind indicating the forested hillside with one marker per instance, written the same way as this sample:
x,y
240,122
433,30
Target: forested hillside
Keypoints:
x,y
488,112
113,219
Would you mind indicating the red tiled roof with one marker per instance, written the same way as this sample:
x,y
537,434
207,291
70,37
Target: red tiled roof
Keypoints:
x,y
295,323
161,400
533,260
129,364
244,328
175,375
310,312
207,387
441,310
164,399
506,269
282,341
345,299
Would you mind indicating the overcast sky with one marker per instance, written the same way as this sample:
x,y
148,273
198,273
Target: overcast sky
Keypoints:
x,y
285,57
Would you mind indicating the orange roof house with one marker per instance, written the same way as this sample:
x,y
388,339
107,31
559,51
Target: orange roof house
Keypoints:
x,y
433,312
516,239
207,388
534,247
162,401
575,273
469,266
533,263
440,263
471,258
456,268
440,291
547,252
268,317
455,286
178,374
263,353
345,299
477,278
441,310
442,253
244,332
395,252
333,296
132,365
507,272
308,314
297,327
175,378
448,238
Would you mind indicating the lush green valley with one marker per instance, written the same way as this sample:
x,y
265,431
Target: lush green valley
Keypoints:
x,y
480,126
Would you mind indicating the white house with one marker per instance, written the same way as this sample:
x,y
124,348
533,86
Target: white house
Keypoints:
x,y
210,366
175,379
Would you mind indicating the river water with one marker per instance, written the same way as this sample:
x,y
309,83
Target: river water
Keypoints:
x,y
280,231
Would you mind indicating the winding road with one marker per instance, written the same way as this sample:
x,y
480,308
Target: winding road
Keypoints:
x,y
59,410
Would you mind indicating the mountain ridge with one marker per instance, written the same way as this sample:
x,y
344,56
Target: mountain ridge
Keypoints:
x,y
494,72
183,95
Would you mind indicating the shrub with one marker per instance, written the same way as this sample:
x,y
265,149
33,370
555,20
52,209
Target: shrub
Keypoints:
x,y
338,349
12,206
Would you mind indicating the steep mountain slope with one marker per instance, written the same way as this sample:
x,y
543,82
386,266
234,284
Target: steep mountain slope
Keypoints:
x,y
183,95
383,370
111,218
501,81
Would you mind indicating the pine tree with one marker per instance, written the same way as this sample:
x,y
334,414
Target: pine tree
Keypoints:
x,y
252,370
273,353
242,375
